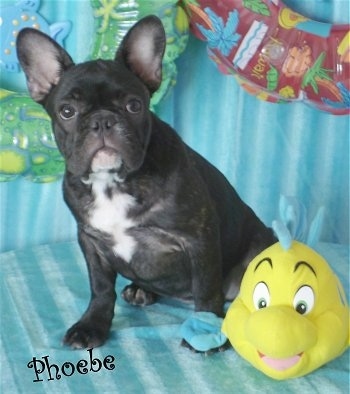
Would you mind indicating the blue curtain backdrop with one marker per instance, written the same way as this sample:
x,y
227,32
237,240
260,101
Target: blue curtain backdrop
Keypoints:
x,y
264,149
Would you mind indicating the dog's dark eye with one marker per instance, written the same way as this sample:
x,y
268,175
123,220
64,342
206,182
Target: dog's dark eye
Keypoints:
x,y
134,106
67,112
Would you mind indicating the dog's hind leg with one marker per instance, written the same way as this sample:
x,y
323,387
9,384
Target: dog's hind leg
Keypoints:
x,y
135,295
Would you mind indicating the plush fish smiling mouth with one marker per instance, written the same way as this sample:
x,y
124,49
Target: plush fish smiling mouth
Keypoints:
x,y
280,364
291,314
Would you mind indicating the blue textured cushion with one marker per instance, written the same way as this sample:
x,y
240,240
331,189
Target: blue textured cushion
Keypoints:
x,y
264,149
45,289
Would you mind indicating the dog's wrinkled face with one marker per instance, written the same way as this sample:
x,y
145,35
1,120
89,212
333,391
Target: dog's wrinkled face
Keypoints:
x,y
99,109
101,123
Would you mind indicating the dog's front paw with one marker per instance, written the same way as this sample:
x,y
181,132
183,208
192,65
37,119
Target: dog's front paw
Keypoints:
x,y
134,295
83,335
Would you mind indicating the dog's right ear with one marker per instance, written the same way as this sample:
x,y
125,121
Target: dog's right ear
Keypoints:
x,y
43,62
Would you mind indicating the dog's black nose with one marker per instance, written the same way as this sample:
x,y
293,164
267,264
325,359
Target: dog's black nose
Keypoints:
x,y
101,123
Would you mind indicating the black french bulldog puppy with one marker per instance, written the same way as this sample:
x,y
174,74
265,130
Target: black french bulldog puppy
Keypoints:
x,y
147,206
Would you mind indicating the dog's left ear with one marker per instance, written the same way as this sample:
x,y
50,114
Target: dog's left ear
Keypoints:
x,y
142,51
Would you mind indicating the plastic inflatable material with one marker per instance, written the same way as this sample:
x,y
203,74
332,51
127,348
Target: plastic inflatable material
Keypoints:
x,y
275,53
27,145
23,14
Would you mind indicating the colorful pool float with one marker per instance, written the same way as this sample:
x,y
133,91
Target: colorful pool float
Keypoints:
x,y
276,53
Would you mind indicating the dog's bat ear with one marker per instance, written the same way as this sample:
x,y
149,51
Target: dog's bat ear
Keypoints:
x,y
142,51
42,61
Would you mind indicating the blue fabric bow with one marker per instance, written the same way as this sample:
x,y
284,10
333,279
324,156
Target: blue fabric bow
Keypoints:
x,y
202,331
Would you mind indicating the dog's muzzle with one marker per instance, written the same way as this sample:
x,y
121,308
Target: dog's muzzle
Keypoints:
x,y
102,125
106,159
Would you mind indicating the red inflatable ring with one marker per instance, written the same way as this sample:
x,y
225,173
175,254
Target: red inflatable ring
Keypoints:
x,y
276,53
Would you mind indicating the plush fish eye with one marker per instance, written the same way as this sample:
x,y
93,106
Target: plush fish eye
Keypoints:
x,y
261,296
304,300
67,111
134,106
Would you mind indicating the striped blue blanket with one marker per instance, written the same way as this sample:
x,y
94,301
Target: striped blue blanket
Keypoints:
x,y
45,289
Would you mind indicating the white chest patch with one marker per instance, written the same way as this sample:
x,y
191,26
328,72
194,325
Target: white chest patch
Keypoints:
x,y
110,215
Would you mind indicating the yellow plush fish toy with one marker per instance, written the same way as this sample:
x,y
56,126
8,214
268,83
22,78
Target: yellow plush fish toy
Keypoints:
x,y
291,315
